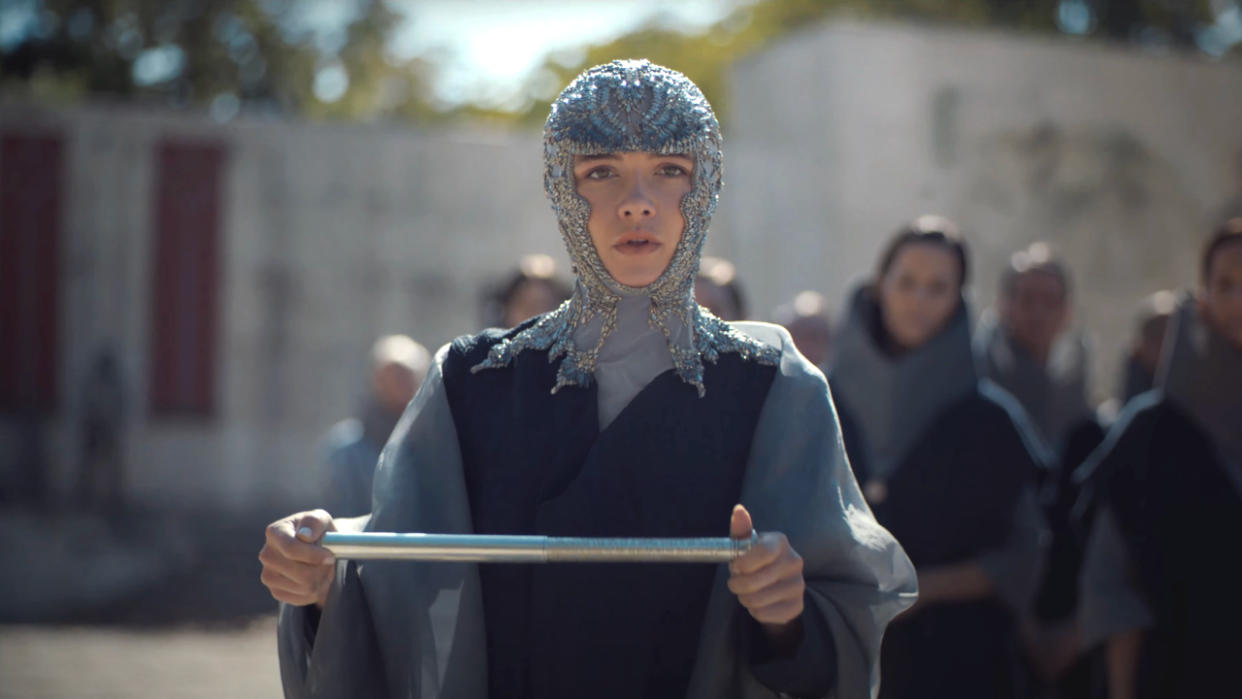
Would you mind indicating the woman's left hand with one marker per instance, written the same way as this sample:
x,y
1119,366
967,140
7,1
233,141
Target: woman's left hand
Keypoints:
x,y
767,579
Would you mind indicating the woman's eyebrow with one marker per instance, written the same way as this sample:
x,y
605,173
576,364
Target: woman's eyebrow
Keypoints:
x,y
596,156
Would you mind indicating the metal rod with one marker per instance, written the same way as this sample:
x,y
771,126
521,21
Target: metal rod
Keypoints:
x,y
485,548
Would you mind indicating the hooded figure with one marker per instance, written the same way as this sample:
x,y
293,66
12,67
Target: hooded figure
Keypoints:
x,y
1054,395
950,473
1027,346
628,411
1163,504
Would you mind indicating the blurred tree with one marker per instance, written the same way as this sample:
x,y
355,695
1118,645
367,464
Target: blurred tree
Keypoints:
x,y
261,55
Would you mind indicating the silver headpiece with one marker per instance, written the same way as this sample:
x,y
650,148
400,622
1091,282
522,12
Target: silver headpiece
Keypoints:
x,y
628,106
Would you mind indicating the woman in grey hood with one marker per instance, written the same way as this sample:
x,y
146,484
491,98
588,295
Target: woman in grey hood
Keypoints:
x,y
951,465
1163,500
629,411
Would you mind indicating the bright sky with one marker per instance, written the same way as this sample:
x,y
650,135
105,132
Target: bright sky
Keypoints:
x,y
488,48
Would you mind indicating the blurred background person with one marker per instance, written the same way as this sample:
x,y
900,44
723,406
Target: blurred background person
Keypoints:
x,y
532,289
1158,587
352,447
716,288
101,479
950,469
1143,359
1028,347
809,322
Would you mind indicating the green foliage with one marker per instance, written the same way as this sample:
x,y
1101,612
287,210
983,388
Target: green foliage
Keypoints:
x,y
258,54
261,55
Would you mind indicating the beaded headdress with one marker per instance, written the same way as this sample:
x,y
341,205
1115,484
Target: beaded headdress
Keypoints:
x,y
628,106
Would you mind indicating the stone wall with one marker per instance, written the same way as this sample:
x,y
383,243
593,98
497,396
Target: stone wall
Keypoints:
x,y
330,236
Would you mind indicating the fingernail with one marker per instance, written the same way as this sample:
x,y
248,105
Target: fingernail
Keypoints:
x,y
306,533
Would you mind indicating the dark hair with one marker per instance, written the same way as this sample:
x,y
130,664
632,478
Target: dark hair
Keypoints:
x,y
532,269
515,283
1229,233
1038,257
721,273
928,230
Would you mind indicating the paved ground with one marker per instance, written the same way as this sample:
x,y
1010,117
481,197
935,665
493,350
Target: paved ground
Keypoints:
x,y
72,662
144,605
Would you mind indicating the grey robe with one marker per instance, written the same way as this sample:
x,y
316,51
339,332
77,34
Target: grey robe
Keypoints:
x,y
375,631
1054,395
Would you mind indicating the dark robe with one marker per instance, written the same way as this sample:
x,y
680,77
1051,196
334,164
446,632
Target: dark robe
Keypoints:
x,y
536,463
952,499
1179,513
495,451
949,497
1054,396
1056,599
1170,475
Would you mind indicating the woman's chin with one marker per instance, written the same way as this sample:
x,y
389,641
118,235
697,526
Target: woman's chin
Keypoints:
x,y
636,278
639,283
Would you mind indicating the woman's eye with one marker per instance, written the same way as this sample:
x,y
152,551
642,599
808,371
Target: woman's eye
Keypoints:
x,y
599,173
672,170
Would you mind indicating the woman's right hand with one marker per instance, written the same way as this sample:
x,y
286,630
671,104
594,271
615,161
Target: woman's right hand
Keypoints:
x,y
296,569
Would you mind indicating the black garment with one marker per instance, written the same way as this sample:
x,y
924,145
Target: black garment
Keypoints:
x,y
1056,600
951,498
1136,379
538,464
1057,597
1179,513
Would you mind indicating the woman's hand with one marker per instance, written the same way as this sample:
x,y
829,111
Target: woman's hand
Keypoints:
x,y
296,569
767,579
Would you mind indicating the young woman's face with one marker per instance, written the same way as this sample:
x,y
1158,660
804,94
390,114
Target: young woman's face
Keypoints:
x,y
1221,301
919,293
636,219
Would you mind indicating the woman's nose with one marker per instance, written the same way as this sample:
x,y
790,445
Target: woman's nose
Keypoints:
x,y
636,205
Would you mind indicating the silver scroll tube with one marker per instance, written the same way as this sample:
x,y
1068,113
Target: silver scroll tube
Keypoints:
x,y
484,548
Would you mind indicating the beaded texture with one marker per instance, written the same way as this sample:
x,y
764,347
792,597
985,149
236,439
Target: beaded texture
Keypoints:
x,y
620,107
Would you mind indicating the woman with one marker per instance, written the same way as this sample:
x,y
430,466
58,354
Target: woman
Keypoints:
x,y
628,411
1161,565
950,468
1027,347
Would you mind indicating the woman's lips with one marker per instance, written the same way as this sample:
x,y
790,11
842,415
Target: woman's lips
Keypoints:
x,y
636,245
